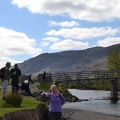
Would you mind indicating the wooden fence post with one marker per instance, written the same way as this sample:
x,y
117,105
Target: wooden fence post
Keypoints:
x,y
114,90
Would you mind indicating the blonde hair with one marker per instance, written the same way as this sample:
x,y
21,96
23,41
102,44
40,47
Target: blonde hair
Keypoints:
x,y
52,86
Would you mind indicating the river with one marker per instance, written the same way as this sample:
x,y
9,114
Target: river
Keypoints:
x,y
97,101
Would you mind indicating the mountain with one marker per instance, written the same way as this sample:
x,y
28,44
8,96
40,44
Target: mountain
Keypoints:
x,y
72,61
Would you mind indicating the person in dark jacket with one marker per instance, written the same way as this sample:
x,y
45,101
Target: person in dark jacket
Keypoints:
x,y
44,76
26,89
29,78
15,74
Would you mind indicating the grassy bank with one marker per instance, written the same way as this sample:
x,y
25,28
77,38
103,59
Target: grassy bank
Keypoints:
x,y
28,102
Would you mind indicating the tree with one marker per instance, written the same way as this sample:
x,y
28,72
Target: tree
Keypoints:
x,y
113,59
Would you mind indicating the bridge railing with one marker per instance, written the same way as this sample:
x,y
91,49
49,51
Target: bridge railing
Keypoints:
x,y
85,75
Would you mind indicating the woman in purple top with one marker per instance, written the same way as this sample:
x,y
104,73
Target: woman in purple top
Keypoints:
x,y
56,102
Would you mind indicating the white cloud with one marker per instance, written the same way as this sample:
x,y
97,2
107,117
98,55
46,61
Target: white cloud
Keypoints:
x,y
90,10
109,41
16,43
84,33
4,60
64,24
51,39
68,44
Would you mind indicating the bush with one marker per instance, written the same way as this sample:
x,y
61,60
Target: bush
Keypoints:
x,y
45,86
14,100
62,87
72,85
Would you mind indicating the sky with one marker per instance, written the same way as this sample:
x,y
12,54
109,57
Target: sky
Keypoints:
x,y
29,28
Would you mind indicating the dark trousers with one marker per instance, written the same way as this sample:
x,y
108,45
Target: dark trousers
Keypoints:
x,y
15,85
55,115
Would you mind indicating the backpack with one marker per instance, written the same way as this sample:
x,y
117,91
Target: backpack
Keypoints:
x,y
2,73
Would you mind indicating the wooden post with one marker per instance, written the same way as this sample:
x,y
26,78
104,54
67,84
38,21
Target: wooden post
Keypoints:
x,y
48,77
114,90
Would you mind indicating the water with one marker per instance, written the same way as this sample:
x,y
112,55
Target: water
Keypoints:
x,y
97,101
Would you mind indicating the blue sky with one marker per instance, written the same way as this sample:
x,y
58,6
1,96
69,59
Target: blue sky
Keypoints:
x,y
32,27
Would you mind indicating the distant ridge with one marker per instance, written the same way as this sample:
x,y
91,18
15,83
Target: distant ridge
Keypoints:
x,y
72,60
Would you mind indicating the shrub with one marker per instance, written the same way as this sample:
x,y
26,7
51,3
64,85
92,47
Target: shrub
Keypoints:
x,y
14,100
63,89
72,85
44,86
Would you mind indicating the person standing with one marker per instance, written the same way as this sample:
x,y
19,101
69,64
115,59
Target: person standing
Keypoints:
x,y
29,78
15,74
44,76
56,101
5,80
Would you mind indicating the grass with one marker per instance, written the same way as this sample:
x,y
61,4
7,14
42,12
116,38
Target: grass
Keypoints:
x,y
45,86
28,102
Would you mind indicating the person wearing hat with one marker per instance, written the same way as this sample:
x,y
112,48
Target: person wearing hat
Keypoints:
x,y
26,89
5,79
